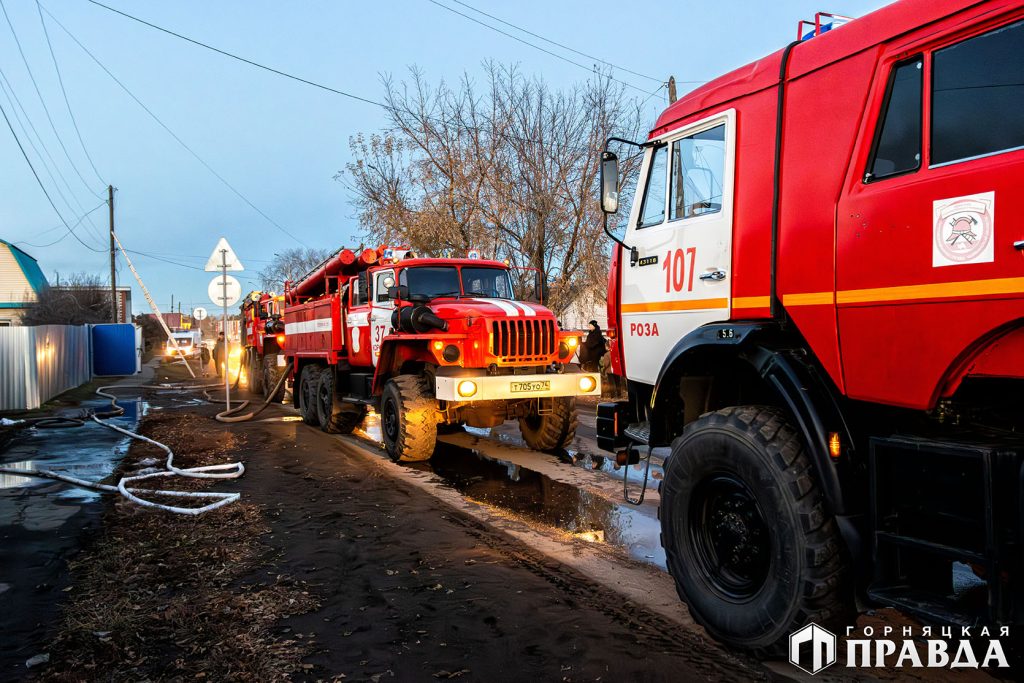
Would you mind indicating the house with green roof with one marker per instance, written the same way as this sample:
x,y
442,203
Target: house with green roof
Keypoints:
x,y
21,281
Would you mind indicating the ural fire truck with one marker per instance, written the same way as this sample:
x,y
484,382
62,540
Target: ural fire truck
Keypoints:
x,y
263,342
430,343
819,300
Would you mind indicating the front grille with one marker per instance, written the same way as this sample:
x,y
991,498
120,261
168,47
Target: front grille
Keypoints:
x,y
523,340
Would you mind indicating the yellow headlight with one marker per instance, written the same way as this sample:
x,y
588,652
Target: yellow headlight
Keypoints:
x,y
572,342
587,383
466,388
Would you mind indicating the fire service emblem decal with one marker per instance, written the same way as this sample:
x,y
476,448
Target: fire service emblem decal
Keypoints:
x,y
963,230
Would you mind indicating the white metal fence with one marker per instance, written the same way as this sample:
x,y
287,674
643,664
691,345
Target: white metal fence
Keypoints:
x,y
37,363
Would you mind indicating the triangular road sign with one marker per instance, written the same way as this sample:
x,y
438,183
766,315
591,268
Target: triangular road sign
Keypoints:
x,y
223,253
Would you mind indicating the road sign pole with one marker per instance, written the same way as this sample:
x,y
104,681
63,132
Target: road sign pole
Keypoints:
x,y
224,325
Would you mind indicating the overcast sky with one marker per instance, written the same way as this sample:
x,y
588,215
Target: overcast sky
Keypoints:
x,y
278,142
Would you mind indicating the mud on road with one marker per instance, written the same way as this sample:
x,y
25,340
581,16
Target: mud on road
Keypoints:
x,y
333,567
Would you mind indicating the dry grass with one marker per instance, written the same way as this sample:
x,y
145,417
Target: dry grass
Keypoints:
x,y
162,596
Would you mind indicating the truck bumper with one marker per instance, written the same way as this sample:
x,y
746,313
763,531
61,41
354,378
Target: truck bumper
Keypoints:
x,y
505,387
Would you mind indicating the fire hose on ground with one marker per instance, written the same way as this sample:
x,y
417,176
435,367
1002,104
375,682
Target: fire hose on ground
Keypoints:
x,y
231,470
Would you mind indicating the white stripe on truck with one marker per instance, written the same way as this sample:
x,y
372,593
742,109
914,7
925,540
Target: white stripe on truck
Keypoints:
x,y
506,307
309,326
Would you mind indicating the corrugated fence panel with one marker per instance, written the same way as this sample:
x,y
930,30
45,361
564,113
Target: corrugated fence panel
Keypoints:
x,y
37,363
62,358
19,389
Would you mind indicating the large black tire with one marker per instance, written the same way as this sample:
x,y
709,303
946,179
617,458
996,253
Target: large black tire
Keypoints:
x,y
552,430
749,544
334,415
309,378
254,372
271,374
408,419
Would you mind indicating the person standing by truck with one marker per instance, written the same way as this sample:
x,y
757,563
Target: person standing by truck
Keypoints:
x,y
204,359
593,348
218,354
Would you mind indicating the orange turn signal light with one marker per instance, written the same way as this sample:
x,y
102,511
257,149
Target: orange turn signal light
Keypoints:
x,y
280,340
438,345
835,448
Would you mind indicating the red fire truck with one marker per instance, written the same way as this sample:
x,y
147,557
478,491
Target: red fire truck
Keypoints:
x,y
263,341
819,300
430,343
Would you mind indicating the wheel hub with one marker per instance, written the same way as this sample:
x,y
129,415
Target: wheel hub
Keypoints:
x,y
730,536
389,420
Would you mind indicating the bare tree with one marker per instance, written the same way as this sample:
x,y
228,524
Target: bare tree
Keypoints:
x,y
512,171
290,264
80,299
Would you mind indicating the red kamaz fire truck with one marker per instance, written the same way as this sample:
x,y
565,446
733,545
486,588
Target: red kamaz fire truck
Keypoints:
x,y
430,343
263,342
819,300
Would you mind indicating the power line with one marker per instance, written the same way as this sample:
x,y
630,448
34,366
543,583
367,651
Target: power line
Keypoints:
x,y
67,102
68,232
39,93
383,105
161,258
40,182
173,134
562,45
528,43
234,56
16,105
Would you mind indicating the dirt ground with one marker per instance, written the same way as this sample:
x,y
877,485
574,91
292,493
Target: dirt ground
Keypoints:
x,y
328,569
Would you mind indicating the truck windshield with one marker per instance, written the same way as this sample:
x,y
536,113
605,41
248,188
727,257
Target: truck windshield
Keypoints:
x,y
488,282
431,281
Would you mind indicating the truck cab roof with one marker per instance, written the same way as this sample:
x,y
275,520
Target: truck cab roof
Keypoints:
x,y
481,263
809,55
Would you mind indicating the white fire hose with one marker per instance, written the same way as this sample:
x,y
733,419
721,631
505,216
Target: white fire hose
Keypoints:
x,y
232,470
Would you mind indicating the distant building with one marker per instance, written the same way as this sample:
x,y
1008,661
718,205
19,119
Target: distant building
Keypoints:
x,y
173,320
124,298
21,281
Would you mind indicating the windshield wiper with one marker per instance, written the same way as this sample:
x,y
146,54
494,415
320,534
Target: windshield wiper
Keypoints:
x,y
456,294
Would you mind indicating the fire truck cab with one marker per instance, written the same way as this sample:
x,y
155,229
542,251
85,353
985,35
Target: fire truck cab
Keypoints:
x,y
431,344
819,300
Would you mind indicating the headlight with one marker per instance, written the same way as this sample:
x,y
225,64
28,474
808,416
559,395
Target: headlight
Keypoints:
x,y
586,384
572,342
466,388
563,350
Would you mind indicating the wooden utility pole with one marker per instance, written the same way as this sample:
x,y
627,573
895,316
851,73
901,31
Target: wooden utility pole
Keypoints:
x,y
671,89
113,272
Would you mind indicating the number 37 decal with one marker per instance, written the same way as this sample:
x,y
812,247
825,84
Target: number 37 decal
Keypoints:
x,y
679,273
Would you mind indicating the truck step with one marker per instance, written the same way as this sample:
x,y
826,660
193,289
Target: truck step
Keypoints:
x,y
358,400
921,604
639,432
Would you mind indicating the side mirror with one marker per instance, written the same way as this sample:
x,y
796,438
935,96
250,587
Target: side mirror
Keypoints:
x,y
399,292
609,182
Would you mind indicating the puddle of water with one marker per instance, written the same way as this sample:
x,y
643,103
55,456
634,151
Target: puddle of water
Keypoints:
x,y
540,499
90,451
579,454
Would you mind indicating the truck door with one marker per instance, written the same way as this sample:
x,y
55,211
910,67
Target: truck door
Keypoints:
x,y
682,228
357,322
381,309
926,227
